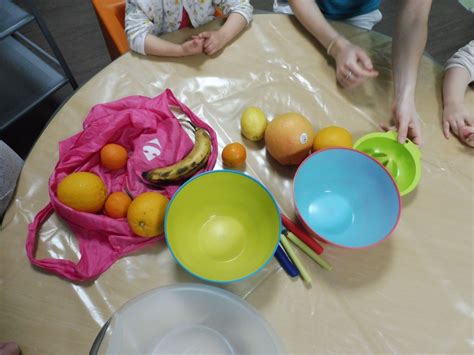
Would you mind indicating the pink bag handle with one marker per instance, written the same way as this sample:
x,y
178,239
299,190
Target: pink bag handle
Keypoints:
x,y
87,268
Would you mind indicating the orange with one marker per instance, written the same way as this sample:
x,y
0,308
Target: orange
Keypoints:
x,y
113,156
234,155
82,191
332,136
116,205
146,214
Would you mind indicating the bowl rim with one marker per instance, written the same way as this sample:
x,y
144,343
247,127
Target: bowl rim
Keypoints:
x,y
201,288
409,146
322,237
220,171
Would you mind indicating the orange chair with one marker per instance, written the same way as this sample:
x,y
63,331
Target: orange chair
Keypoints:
x,y
111,16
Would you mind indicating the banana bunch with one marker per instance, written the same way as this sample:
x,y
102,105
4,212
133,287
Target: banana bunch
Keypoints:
x,y
186,167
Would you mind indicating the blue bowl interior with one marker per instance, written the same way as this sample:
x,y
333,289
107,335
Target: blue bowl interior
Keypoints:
x,y
346,198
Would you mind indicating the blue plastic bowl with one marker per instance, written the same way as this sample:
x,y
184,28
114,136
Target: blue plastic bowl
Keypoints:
x,y
346,198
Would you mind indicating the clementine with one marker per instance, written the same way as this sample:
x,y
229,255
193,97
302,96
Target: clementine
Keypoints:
x,y
234,155
113,156
146,214
116,205
332,136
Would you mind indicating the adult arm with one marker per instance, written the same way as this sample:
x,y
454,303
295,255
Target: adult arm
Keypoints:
x,y
408,44
353,65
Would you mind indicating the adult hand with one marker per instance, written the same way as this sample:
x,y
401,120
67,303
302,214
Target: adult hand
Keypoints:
x,y
213,41
407,121
458,119
353,65
193,46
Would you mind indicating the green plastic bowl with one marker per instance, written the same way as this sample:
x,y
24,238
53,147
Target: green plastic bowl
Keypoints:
x,y
402,161
222,226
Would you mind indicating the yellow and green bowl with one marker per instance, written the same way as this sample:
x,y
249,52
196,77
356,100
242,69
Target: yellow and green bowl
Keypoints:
x,y
222,226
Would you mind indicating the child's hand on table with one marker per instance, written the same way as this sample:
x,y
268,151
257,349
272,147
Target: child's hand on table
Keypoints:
x,y
458,119
193,46
213,41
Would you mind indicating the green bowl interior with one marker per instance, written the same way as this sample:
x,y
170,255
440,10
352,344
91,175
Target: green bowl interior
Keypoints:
x,y
222,226
394,156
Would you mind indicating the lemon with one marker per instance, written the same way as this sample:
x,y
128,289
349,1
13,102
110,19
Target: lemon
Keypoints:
x,y
82,191
332,136
253,123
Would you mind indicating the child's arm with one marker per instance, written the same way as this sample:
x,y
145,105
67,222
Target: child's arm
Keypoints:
x,y
239,14
160,47
353,65
459,73
139,29
407,48
215,40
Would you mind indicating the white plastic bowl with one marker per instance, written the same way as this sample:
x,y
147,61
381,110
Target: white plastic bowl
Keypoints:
x,y
190,319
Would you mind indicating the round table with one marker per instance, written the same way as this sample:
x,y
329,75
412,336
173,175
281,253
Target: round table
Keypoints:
x,y
412,293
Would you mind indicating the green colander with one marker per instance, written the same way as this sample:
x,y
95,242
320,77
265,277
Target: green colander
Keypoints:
x,y
403,161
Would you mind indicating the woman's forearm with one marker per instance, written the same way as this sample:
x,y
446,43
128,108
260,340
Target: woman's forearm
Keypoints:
x,y
408,45
455,83
308,13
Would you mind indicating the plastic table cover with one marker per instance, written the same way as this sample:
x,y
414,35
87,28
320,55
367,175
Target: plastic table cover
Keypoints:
x,y
412,293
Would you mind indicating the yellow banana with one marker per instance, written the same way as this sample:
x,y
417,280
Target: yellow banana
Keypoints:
x,y
186,167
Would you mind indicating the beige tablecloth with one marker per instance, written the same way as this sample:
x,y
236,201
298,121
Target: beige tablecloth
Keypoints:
x,y
412,293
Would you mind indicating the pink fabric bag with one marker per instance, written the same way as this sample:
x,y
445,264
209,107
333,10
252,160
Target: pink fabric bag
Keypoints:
x,y
154,137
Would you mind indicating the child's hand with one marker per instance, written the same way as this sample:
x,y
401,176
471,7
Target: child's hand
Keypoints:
x,y
353,65
213,41
193,46
457,119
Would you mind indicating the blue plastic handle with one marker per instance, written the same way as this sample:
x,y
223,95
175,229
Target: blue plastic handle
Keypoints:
x,y
285,262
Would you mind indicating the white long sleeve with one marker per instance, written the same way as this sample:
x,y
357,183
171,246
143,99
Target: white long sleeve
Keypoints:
x,y
143,17
463,58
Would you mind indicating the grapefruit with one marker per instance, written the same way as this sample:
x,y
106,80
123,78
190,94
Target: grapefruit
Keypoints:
x,y
289,138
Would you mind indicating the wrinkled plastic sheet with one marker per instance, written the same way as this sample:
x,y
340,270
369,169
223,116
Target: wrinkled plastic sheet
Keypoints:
x,y
412,293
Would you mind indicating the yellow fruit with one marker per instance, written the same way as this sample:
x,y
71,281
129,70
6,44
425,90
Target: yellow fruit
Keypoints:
x,y
289,138
146,214
253,123
82,191
332,136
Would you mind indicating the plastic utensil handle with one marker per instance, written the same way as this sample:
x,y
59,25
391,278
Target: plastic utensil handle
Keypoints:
x,y
285,262
323,263
304,274
301,234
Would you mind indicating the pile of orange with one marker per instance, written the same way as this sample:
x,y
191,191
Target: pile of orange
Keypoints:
x,y
332,136
113,156
116,205
234,155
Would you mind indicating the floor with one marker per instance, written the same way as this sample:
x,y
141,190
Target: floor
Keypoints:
x,y
74,26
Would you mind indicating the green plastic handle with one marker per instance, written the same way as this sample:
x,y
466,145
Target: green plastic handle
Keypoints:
x,y
299,265
323,263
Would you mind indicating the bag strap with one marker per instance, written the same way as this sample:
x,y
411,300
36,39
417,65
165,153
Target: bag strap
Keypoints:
x,y
85,269
172,100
